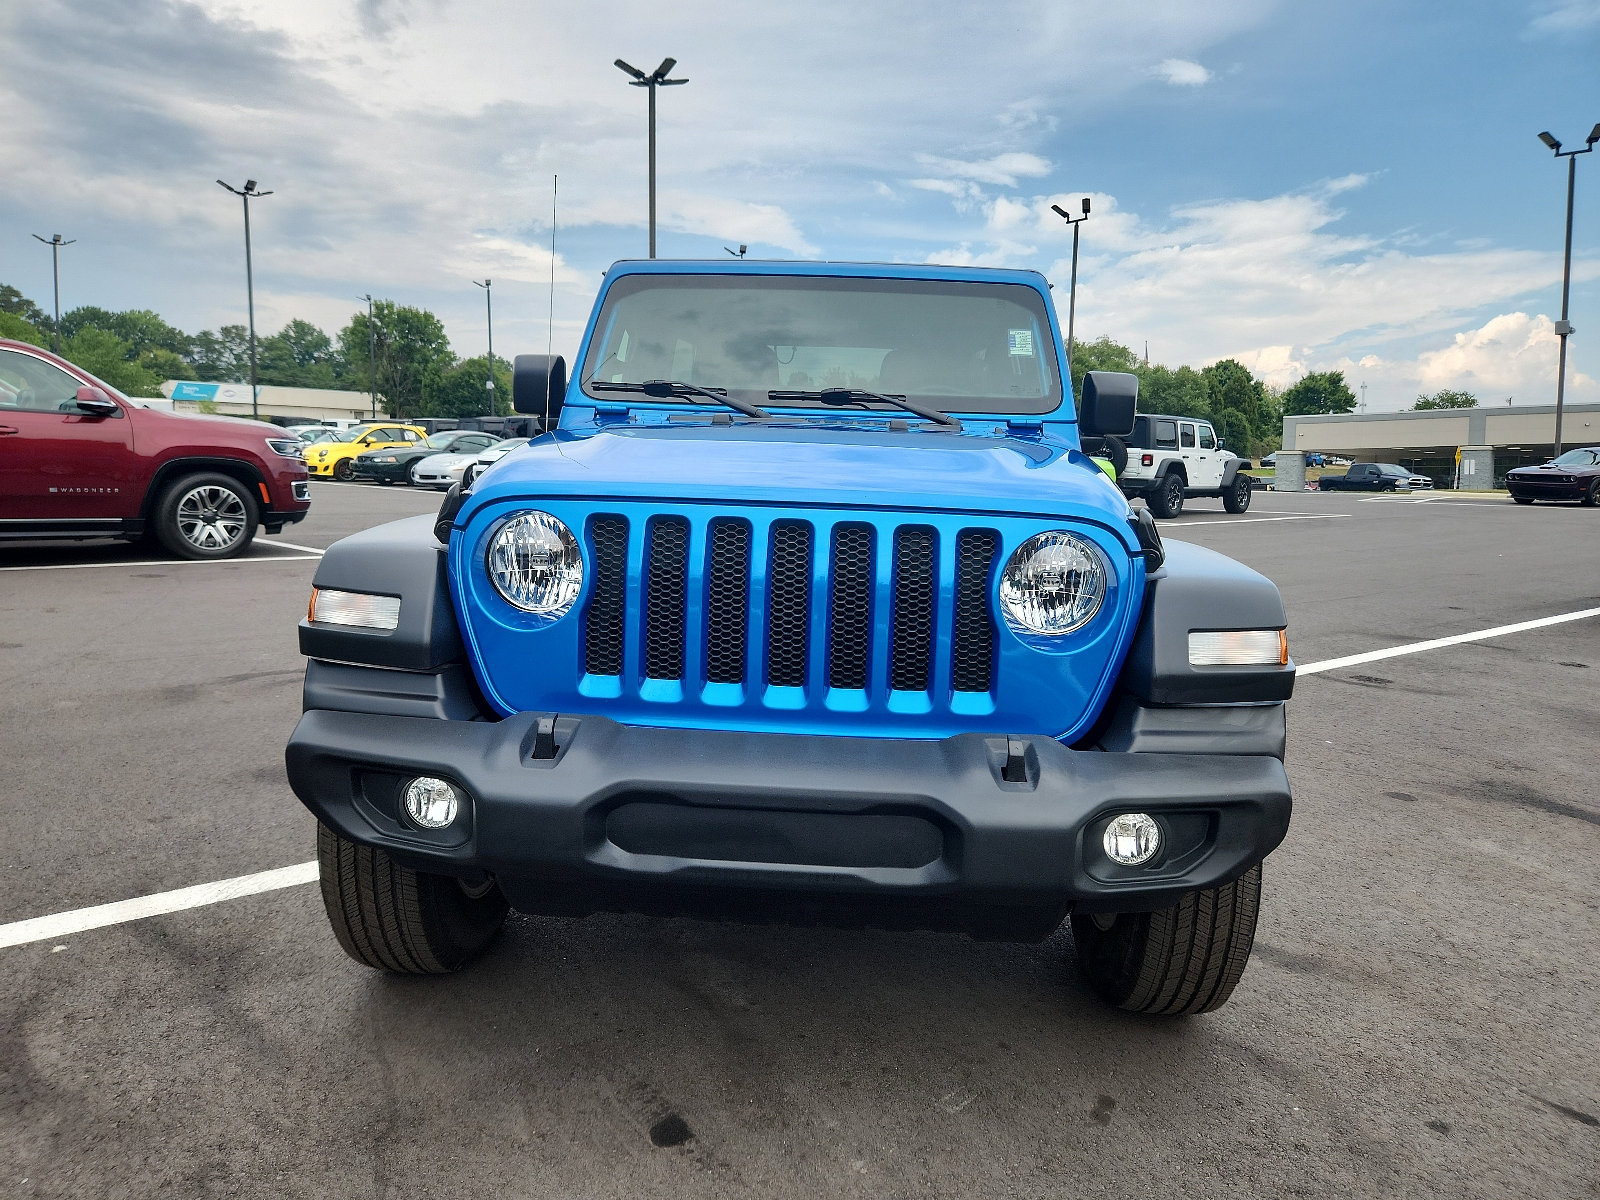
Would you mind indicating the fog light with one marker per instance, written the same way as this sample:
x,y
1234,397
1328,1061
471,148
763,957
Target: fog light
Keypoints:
x,y
1131,839
433,803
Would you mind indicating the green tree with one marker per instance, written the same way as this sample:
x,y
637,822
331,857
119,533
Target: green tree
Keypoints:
x,y
223,356
14,326
1102,354
106,355
1231,386
1232,428
164,364
1445,399
1181,392
14,302
411,346
461,391
1319,393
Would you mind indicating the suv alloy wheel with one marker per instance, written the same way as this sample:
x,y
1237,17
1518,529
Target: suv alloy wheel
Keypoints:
x,y
206,516
1167,499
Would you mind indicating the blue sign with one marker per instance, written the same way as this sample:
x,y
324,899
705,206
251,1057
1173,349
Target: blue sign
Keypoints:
x,y
194,391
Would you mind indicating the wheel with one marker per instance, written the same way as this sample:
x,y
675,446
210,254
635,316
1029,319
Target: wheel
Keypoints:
x,y
466,476
411,474
1167,499
206,516
1529,499
1176,961
344,470
395,919
1236,499
1592,496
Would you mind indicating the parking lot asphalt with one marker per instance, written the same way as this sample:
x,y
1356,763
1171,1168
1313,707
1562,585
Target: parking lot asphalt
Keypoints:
x,y
1419,1018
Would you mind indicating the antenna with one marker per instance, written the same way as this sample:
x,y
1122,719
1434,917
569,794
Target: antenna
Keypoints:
x,y
550,327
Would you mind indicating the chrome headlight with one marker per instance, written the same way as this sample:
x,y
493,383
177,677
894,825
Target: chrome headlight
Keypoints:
x,y
1052,584
535,563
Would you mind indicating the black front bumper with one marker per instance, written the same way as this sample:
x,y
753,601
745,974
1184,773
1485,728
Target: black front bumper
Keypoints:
x,y
1000,836
393,472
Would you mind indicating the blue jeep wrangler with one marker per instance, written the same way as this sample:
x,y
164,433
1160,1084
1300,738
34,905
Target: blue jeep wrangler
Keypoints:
x,y
809,608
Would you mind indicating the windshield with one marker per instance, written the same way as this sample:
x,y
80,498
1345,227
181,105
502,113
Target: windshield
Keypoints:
x,y
1391,469
442,440
508,444
1579,458
957,346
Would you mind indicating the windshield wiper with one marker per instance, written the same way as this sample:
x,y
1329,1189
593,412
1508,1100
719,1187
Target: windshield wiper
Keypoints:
x,y
838,397
668,389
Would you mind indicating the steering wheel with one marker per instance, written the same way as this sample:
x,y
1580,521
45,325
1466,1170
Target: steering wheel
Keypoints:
x,y
26,398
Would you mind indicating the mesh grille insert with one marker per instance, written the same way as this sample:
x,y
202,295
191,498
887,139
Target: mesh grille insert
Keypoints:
x,y
727,601
911,645
790,582
973,667
850,610
602,636
665,595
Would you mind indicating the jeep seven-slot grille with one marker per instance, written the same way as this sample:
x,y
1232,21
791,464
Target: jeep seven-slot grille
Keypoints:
x,y
846,585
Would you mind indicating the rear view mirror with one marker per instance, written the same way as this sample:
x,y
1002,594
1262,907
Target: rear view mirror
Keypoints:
x,y
539,386
1108,402
94,402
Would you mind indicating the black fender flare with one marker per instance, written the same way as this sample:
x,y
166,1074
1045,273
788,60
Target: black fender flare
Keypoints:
x,y
1233,467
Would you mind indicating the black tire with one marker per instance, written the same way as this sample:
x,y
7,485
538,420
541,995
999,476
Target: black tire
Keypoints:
x,y
1167,498
1525,499
466,475
344,471
1236,498
1592,496
392,918
1177,961
205,516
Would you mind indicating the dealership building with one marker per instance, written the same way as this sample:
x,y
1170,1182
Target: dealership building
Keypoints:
x,y
1470,448
293,405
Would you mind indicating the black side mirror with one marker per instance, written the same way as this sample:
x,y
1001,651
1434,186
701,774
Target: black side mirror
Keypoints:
x,y
95,403
1108,403
1222,443
539,386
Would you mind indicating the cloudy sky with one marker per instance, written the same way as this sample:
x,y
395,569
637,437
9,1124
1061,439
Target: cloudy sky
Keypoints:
x,y
1300,186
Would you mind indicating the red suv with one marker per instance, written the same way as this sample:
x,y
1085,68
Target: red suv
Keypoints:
x,y
80,460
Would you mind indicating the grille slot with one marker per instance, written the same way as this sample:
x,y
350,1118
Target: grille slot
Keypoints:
x,y
850,607
727,601
911,636
602,634
666,588
789,579
972,668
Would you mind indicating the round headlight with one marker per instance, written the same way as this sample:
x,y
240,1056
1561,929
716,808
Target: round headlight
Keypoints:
x,y
535,563
1053,584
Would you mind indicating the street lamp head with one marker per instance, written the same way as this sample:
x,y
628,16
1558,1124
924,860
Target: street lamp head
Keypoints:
x,y
1550,141
665,68
1086,206
630,69
249,185
1594,135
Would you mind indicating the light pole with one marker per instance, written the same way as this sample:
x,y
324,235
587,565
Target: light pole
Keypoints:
x,y
246,193
488,304
739,253
1564,326
656,78
372,356
55,243
1072,292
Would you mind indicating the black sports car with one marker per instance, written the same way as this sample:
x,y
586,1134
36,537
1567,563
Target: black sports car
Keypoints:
x,y
1573,476
394,464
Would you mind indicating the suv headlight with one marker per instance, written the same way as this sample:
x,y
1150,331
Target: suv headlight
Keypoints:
x,y
535,563
1052,584
288,447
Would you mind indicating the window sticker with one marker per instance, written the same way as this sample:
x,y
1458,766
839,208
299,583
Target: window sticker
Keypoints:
x,y
1020,342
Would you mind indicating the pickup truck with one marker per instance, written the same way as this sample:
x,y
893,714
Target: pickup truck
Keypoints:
x,y
810,607
1374,477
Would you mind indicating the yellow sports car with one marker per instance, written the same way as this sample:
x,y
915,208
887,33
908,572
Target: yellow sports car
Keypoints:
x,y
332,459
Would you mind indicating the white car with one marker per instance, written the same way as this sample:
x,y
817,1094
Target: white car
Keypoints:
x,y
491,456
442,470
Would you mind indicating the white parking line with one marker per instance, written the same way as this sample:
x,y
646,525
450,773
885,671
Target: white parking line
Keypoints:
x,y
172,562
1355,660
39,929
1262,520
293,546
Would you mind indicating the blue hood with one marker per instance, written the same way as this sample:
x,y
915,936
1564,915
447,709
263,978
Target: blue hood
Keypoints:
x,y
812,462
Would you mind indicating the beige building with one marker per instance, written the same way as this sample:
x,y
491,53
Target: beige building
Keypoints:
x,y
300,406
1490,440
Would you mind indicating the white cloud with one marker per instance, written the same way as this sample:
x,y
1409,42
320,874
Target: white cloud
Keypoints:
x,y
1565,17
1003,169
1180,72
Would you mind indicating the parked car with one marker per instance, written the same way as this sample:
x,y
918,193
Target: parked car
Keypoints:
x,y
736,644
488,458
1375,477
1574,475
336,459
1173,458
399,464
78,459
310,433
